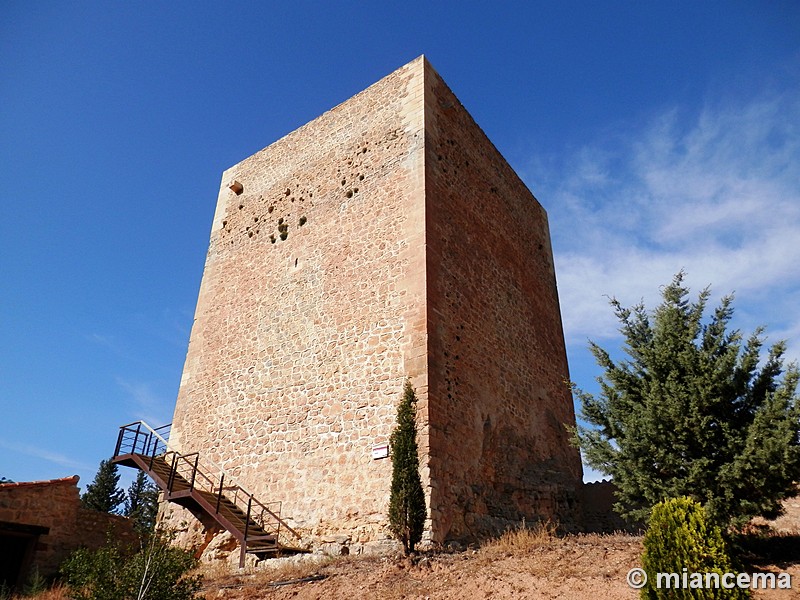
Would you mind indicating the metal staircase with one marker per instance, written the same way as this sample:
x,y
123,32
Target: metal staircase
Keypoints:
x,y
205,488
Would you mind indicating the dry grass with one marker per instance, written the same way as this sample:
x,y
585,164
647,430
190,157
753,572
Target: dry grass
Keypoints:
x,y
55,593
523,539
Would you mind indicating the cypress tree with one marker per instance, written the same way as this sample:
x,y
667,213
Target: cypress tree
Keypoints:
x,y
691,413
407,510
141,503
103,493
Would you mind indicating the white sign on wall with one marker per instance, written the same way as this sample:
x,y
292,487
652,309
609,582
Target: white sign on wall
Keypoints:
x,y
380,451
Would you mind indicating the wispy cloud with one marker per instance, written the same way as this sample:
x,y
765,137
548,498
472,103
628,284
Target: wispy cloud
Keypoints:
x,y
716,193
47,455
148,405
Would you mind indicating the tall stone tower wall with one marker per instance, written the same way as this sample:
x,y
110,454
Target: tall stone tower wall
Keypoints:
x,y
385,239
301,346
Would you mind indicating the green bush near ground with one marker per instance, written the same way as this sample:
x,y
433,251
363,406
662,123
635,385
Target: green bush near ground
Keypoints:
x,y
681,539
157,571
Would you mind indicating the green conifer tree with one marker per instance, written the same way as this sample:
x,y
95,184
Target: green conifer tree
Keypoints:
x,y
141,503
407,511
691,413
103,493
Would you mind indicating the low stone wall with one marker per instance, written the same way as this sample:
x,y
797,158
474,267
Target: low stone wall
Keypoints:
x,y
597,507
45,521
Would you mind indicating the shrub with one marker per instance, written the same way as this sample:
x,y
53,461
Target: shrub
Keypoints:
x,y
679,539
36,584
157,571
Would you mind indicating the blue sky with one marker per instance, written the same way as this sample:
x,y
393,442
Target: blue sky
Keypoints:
x,y
658,135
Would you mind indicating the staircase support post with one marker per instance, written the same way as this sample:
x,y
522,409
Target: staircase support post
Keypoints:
x,y
172,471
194,472
219,494
153,455
136,438
119,441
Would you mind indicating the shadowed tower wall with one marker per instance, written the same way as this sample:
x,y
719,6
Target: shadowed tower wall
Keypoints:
x,y
497,365
385,239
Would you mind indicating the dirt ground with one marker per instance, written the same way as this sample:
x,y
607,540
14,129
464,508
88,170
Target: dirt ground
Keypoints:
x,y
576,567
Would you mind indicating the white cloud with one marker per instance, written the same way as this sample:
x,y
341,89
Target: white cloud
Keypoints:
x,y
716,194
148,406
46,455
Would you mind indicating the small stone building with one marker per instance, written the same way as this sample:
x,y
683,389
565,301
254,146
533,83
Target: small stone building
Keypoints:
x,y
42,522
387,239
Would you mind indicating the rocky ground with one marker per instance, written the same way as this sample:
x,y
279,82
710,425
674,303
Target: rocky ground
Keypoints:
x,y
542,566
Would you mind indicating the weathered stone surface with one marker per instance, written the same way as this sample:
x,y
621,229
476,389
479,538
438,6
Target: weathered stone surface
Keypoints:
x,y
385,239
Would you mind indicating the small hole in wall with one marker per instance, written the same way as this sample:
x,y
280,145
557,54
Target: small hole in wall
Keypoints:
x,y
280,221
364,151
355,190
344,181
249,234
270,209
284,235
295,261
272,239
349,193
288,191
302,221
255,219
224,223
361,178
241,206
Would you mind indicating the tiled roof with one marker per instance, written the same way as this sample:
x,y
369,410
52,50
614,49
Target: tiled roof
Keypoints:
x,y
63,481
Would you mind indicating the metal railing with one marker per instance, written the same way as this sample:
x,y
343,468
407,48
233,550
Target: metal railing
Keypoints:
x,y
153,443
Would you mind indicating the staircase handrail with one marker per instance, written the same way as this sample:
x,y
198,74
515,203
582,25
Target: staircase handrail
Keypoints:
x,y
169,448
224,475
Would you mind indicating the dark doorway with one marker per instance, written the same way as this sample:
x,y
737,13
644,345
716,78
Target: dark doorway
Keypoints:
x,y
17,545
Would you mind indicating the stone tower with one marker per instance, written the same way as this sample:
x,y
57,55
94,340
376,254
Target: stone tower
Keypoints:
x,y
387,239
